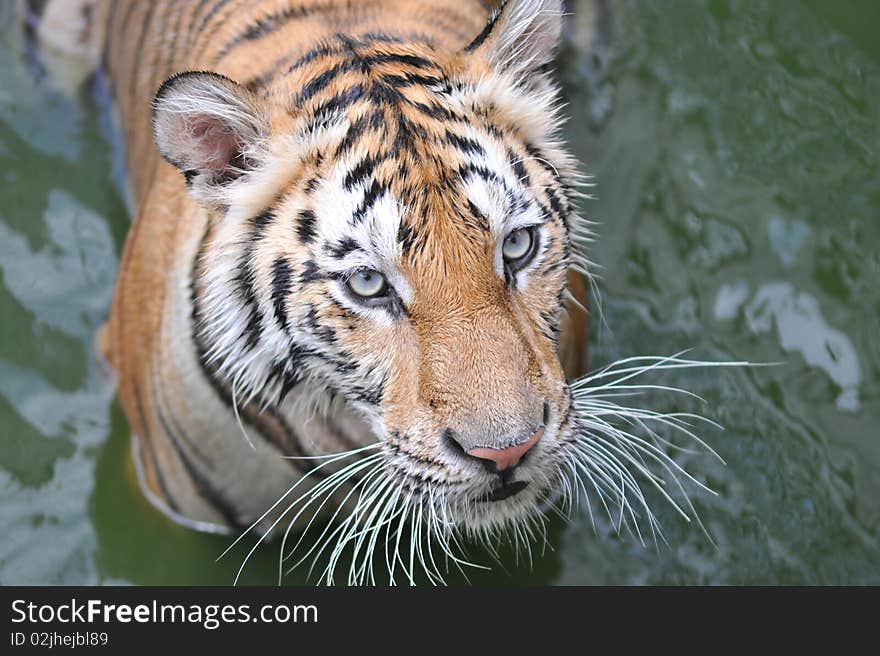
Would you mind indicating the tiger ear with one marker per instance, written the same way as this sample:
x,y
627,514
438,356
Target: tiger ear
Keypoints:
x,y
206,125
522,36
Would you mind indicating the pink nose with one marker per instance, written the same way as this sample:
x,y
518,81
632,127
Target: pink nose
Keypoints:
x,y
509,457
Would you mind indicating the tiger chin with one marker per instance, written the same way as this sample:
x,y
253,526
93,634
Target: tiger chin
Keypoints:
x,y
350,310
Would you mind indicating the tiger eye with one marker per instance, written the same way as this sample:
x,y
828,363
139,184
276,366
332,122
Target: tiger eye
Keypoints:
x,y
517,247
368,283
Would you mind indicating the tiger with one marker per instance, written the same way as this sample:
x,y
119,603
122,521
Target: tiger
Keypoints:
x,y
356,282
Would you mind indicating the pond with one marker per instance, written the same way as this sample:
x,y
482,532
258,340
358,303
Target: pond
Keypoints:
x,y
736,154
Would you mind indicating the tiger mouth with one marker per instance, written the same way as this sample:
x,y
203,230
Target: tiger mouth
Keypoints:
x,y
506,490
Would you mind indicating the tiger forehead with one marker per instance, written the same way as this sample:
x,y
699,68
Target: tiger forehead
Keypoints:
x,y
420,175
402,214
401,100
423,198
463,186
339,73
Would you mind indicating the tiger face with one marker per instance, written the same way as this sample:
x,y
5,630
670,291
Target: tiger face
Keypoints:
x,y
390,225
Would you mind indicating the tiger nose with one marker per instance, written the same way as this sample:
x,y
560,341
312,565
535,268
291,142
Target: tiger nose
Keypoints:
x,y
507,457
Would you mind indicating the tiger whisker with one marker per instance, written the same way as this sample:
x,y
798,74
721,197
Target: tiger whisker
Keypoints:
x,y
603,452
373,523
325,489
255,523
633,441
326,493
323,540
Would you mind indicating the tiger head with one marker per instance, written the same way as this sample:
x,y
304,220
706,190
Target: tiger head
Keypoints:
x,y
392,224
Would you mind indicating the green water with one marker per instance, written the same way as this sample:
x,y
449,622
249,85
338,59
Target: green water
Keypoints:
x,y
736,150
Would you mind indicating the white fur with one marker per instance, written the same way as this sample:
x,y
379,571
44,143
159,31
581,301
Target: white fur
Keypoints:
x,y
525,36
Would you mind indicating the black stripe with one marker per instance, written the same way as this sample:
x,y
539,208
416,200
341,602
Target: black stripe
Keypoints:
x,y
281,276
556,205
256,417
434,110
355,130
342,312
395,444
262,221
373,193
407,133
271,23
323,332
323,80
136,62
359,173
467,171
519,169
482,36
217,7
311,185
148,440
310,273
403,80
342,248
369,396
207,38
194,20
289,378
323,50
465,144
372,37
111,33
204,486
305,228
341,101
538,156
477,218
161,30
385,94
366,63
399,58
406,235
326,49
247,279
